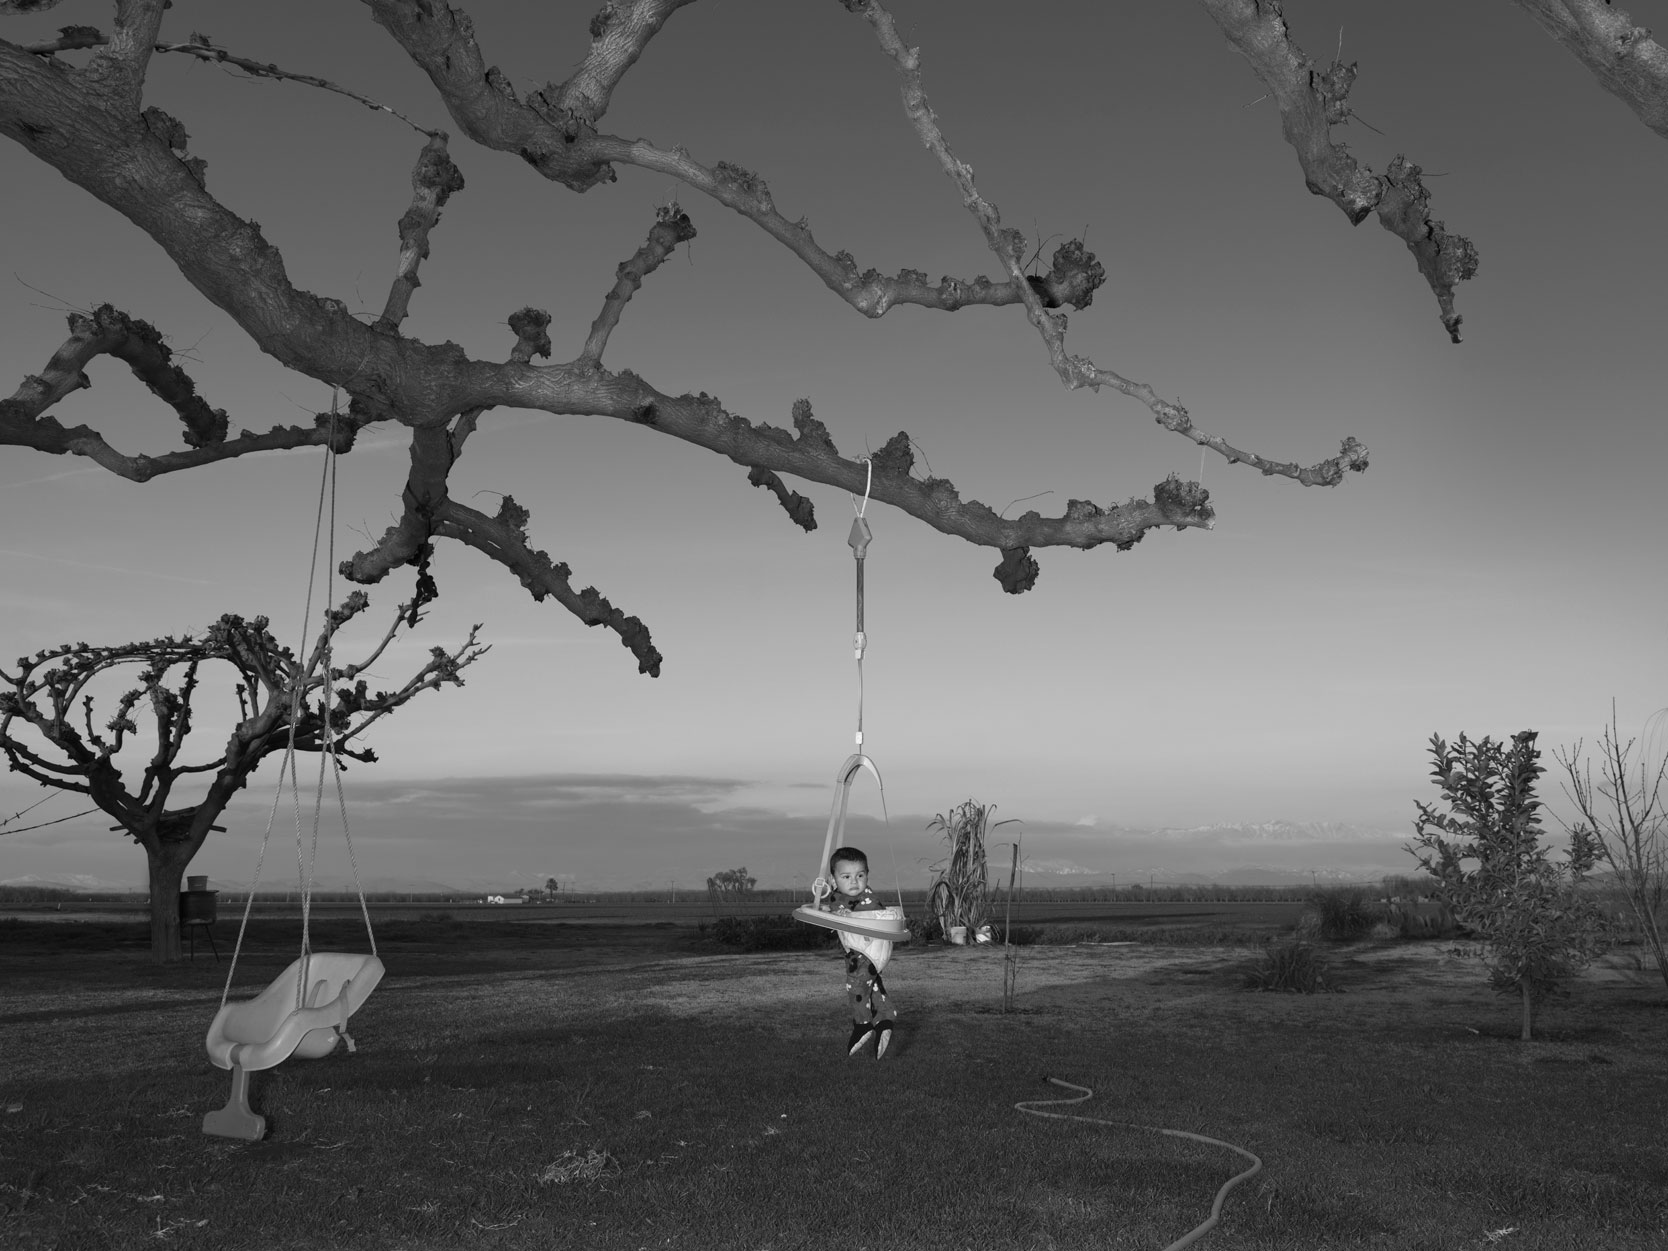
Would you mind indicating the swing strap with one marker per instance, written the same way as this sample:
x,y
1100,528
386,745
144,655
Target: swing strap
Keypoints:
x,y
858,540
327,484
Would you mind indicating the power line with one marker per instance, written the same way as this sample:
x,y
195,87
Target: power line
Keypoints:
x,y
44,824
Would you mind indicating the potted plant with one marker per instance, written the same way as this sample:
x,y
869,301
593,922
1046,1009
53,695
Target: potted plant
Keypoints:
x,y
960,892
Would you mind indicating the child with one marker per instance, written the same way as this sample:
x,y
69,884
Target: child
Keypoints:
x,y
872,1016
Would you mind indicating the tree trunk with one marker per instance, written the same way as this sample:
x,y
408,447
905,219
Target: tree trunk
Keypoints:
x,y
167,867
1528,1010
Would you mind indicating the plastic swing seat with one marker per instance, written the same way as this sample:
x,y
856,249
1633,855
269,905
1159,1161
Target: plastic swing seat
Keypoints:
x,y
263,1032
886,923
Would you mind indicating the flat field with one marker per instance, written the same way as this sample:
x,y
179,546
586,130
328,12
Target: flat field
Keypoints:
x,y
584,1084
1264,915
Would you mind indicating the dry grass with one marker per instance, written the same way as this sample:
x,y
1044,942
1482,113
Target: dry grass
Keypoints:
x,y
577,1092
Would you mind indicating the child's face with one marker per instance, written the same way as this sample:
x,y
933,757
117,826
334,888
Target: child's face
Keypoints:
x,y
851,877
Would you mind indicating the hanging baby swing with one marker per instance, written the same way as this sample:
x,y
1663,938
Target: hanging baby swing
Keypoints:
x,y
885,923
305,1011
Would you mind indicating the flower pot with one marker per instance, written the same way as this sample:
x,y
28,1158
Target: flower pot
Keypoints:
x,y
958,935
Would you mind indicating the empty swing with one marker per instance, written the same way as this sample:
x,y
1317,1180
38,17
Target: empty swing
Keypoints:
x,y
884,923
305,1011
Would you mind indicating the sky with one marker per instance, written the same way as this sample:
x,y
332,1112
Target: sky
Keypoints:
x,y
1498,568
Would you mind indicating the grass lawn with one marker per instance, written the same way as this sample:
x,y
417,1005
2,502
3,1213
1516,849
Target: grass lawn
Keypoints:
x,y
549,1086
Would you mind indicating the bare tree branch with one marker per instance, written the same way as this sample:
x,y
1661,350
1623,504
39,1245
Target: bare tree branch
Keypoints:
x,y
138,164
672,227
1627,62
109,331
565,148
504,538
433,181
799,509
131,43
440,39
620,31
74,38
1009,248
1311,102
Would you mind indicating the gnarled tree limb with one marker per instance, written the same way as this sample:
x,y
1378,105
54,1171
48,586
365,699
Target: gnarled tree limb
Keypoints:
x,y
672,227
24,423
566,148
75,38
504,538
1627,62
1311,102
1008,245
620,31
433,181
136,162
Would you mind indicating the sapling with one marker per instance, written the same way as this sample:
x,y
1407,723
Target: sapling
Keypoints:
x,y
1629,819
1493,871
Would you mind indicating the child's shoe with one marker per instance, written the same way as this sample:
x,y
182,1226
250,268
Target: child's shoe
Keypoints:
x,y
860,1036
883,1037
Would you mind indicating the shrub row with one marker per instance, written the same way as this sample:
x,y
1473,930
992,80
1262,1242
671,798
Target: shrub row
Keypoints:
x,y
767,933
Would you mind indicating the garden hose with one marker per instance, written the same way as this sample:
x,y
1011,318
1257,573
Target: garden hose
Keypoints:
x,y
1035,1106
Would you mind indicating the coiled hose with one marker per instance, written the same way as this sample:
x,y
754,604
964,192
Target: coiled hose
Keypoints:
x,y
1035,1108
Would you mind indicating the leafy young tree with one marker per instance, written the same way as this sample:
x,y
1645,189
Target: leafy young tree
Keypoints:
x,y
328,707
1493,871
1626,813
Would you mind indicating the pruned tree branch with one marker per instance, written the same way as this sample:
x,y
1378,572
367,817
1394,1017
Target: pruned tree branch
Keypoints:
x,y
1009,248
1627,62
504,538
620,31
131,42
75,38
564,146
138,163
433,181
1311,102
672,227
109,331
799,509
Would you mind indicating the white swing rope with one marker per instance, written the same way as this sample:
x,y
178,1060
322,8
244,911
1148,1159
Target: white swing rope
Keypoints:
x,y
1034,1108
859,542
327,478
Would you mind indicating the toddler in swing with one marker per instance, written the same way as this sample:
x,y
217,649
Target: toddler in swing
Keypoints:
x,y
872,1016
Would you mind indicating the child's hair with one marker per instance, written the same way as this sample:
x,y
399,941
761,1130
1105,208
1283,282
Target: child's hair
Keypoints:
x,y
850,855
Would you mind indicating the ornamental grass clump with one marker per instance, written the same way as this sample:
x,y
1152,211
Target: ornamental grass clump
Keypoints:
x,y
1292,965
960,892
1342,914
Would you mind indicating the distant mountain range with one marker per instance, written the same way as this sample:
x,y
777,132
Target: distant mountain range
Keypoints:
x,y
1285,832
1271,853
